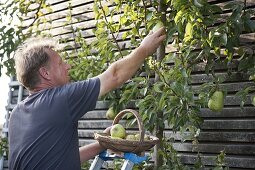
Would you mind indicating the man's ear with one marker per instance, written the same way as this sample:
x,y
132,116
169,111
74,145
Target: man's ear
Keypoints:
x,y
44,73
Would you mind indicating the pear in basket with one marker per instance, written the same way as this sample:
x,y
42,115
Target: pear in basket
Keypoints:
x,y
118,131
146,137
130,137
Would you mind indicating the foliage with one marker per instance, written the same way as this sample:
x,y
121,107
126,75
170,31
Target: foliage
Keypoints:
x,y
203,37
85,165
4,148
13,26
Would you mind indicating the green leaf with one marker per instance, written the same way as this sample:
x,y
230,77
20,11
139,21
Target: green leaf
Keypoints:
x,y
106,10
246,62
123,20
149,16
198,3
158,87
178,16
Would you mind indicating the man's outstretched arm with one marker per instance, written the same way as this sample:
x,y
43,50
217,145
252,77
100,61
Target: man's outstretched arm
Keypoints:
x,y
88,152
122,70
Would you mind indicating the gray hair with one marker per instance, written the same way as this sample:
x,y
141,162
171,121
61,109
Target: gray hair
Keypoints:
x,y
30,57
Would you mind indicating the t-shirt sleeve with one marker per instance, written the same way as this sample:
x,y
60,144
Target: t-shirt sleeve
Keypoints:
x,y
82,97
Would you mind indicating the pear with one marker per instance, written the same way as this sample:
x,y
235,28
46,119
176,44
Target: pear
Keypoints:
x,y
137,136
110,114
216,102
146,137
115,137
253,100
130,137
118,131
252,77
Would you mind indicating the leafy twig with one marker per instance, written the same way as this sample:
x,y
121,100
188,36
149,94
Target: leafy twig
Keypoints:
x,y
36,15
110,28
145,13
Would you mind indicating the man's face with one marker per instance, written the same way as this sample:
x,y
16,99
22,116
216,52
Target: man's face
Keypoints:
x,y
58,69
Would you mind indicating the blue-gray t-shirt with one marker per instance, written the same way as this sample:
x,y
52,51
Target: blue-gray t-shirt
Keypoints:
x,y
43,128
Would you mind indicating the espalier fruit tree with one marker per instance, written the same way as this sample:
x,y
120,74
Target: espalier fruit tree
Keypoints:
x,y
196,35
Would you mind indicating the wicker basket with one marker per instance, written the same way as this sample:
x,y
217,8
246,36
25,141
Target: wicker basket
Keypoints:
x,y
123,145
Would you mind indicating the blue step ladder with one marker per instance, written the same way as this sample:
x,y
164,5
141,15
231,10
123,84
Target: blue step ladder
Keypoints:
x,y
130,160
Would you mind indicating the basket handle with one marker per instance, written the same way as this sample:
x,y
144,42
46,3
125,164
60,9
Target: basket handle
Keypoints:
x,y
138,117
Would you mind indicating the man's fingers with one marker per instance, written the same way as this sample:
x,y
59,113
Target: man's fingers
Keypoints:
x,y
160,32
162,37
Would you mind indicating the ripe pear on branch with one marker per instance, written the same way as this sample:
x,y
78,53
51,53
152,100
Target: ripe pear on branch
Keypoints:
x,y
253,100
216,101
110,114
252,77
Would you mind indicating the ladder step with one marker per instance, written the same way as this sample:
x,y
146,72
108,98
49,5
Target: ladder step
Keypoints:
x,y
128,165
130,160
97,163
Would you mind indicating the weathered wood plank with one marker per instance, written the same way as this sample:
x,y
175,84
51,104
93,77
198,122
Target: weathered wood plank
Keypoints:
x,y
202,78
229,112
230,148
231,161
229,124
230,87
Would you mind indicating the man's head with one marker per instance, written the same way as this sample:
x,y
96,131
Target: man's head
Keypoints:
x,y
39,66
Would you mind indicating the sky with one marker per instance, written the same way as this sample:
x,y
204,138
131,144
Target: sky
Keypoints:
x,y
4,90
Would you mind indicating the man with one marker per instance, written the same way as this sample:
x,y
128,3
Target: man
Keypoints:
x,y
43,127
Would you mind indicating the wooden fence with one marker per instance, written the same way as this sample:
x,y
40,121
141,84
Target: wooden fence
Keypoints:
x,y
232,130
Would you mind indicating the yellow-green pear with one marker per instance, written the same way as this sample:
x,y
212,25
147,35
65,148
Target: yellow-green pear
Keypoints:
x,y
110,114
115,137
216,102
118,130
252,77
130,137
146,137
137,136
253,100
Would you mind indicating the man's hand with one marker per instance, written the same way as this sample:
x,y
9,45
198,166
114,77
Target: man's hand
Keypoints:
x,y
122,70
107,130
151,42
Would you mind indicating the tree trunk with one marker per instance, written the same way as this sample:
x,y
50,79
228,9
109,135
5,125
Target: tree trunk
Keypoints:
x,y
160,129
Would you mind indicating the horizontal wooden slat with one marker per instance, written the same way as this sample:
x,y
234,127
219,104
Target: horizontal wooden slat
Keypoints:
x,y
229,112
228,124
235,77
241,149
229,87
235,161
